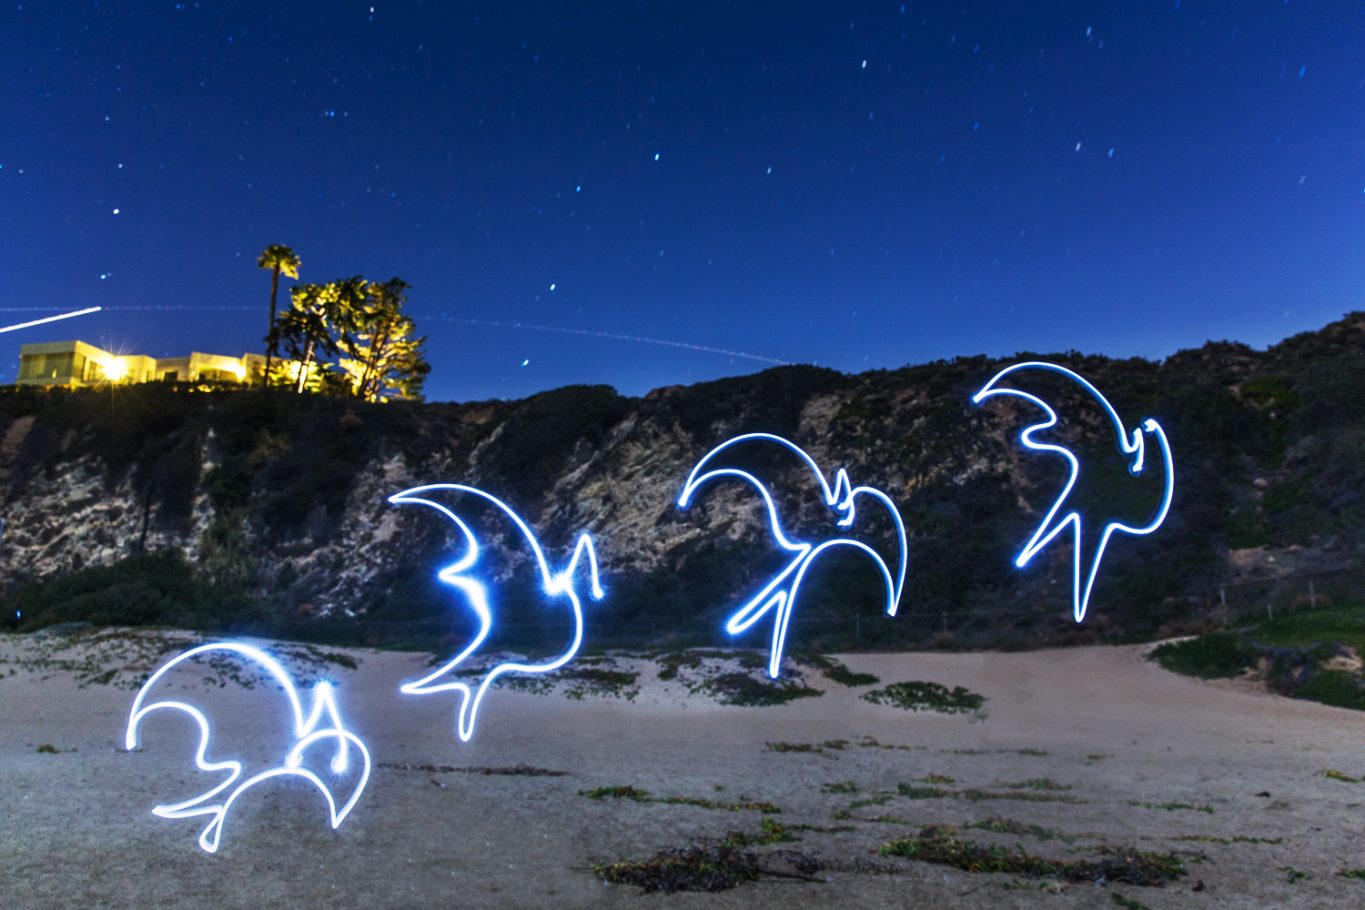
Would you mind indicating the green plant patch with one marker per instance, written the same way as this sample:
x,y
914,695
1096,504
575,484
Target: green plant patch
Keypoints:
x,y
837,672
1357,874
1333,774
926,696
1337,625
743,690
149,589
1292,653
626,792
1218,655
599,681
1336,688
771,831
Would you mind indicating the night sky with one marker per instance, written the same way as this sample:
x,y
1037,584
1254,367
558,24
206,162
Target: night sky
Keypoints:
x,y
858,186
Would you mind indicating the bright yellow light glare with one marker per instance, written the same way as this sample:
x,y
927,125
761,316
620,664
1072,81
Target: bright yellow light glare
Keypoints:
x,y
239,370
114,371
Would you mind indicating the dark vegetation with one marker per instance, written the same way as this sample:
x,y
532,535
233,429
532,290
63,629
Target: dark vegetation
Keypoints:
x,y
926,696
942,846
504,771
636,795
1267,446
743,690
1309,654
699,868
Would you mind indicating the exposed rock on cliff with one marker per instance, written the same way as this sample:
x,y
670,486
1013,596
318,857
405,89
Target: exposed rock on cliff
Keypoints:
x,y
281,500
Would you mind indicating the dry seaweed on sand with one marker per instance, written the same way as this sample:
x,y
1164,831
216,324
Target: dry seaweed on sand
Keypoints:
x,y
696,868
1124,865
709,867
504,771
636,795
836,745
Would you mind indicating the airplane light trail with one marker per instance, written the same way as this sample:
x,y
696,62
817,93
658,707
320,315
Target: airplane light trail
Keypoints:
x,y
535,327
616,336
27,325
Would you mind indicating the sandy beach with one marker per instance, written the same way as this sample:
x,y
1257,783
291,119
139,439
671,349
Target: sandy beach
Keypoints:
x,y
1073,753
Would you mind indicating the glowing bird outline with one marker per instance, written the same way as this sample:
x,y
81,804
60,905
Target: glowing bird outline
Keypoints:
x,y
1132,445
840,498
476,593
307,731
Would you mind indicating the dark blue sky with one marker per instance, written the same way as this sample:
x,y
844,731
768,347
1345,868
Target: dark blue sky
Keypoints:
x,y
854,185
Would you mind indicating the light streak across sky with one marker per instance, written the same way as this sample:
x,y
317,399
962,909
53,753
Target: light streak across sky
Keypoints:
x,y
529,327
46,319
616,336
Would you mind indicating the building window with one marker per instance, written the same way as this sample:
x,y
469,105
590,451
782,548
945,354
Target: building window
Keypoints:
x,y
47,366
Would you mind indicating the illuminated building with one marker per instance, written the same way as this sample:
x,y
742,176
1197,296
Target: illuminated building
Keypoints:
x,y
75,364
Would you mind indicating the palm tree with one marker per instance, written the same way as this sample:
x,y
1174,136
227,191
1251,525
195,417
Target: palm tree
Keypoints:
x,y
278,258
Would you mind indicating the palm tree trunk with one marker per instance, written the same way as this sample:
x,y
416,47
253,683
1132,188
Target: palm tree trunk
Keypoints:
x,y
303,368
270,345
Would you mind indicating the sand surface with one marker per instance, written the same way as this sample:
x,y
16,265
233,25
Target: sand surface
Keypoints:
x,y
76,828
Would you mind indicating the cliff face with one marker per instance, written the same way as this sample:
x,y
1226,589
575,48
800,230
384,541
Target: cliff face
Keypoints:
x,y
282,499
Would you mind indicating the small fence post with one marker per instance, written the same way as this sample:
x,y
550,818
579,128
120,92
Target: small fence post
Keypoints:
x,y
1312,596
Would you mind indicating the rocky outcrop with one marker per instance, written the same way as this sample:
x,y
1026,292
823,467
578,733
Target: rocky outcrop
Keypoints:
x,y
285,497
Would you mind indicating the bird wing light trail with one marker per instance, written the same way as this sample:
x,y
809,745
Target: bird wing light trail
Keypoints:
x,y
778,596
557,585
320,724
46,319
1062,515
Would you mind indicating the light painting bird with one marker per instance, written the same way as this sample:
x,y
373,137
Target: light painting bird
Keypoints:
x,y
1090,537
778,596
558,586
314,733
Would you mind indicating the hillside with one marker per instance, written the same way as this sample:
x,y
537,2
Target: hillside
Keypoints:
x,y
269,511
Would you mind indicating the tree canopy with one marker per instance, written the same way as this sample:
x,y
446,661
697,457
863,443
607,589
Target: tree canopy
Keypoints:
x,y
351,337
